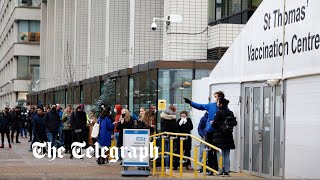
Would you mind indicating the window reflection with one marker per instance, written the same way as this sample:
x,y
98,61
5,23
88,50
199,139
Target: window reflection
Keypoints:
x,y
29,31
26,66
220,9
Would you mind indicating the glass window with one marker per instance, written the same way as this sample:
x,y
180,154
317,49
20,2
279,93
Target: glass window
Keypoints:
x,y
211,10
34,26
255,3
144,89
29,3
201,73
174,84
234,6
29,31
27,66
22,67
229,10
124,90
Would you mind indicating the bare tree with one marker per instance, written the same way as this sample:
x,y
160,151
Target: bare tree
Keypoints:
x,y
69,71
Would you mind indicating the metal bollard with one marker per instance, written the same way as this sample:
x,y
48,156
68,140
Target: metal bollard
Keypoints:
x,y
219,153
204,161
195,156
162,156
154,163
181,154
171,154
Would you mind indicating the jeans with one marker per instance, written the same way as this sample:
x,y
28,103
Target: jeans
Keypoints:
x,y
226,160
167,149
201,149
52,135
116,137
61,136
23,131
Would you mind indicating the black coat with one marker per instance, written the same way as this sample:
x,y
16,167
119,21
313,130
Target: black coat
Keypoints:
x,y
39,128
4,123
31,116
120,127
78,120
221,139
17,120
142,125
185,129
168,122
52,120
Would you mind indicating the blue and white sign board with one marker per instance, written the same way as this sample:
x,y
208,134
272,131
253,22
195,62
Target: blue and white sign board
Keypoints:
x,y
139,139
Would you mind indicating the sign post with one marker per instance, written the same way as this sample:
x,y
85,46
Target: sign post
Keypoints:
x,y
136,151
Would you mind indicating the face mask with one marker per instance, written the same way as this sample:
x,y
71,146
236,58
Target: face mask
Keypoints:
x,y
110,113
115,110
215,100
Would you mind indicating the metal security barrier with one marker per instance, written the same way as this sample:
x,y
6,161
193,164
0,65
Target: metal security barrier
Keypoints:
x,y
183,137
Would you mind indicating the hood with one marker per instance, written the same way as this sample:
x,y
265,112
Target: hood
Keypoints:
x,y
168,116
118,108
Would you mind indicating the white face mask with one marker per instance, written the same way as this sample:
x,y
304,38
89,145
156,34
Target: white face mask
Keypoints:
x,y
115,110
215,100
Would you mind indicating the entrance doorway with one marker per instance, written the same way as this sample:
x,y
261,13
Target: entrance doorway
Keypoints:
x,y
262,128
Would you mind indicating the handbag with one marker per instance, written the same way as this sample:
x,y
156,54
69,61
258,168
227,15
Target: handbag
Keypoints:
x,y
95,130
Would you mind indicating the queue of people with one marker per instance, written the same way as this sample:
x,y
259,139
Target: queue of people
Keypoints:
x,y
63,127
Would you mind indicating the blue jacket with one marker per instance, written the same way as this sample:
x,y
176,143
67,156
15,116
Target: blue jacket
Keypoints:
x,y
60,115
211,108
105,132
202,125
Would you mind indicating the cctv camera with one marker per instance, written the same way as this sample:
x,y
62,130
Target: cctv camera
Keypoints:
x,y
153,26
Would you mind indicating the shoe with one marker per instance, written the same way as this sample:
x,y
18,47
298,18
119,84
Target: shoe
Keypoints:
x,y
18,142
29,141
2,146
209,173
10,146
225,174
175,168
99,162
120,163
200,170
71,156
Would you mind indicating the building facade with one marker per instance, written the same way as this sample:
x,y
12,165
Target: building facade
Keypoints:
x,y
85,40
19,50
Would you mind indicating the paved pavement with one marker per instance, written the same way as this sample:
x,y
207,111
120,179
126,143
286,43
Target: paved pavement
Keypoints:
x,y
19,163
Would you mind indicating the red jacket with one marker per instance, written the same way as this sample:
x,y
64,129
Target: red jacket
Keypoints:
x,y
118,115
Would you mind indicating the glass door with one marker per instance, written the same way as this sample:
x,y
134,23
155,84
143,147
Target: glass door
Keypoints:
x,y
261,130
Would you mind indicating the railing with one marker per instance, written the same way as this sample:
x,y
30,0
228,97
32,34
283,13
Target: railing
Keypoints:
x,y
183,137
